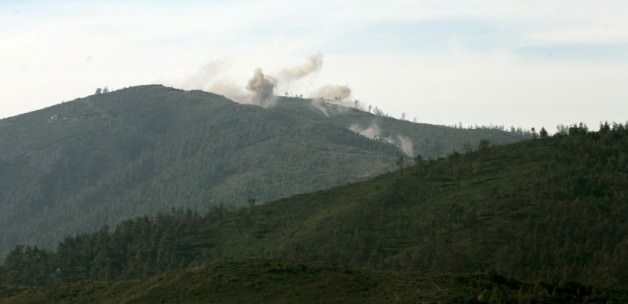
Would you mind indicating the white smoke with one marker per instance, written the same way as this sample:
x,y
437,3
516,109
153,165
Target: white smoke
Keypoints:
x,y
260,89
374,132
333,93
230,90
313,64
210,78
406,145
321,106
333,99
204,76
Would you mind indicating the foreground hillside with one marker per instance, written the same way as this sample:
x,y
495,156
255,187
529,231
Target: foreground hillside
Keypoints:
x,y
549,209
104,158
259,281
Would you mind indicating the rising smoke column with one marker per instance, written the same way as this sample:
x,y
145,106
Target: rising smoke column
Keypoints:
x,y
312,65
374,132
262,88
406,145
332,94
211,78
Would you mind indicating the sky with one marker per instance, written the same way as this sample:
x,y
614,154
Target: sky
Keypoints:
x,y
527,63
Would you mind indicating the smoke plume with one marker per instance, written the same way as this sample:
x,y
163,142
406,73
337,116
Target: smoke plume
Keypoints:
x,y
262,87
374,132
203,76
313,64
323,99
406,145
333,93
230,90
320,106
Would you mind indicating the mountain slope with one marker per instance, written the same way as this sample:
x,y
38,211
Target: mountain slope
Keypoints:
x,y
551,209
270,281
104,158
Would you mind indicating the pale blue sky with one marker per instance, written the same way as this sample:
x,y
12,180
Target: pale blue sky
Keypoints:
x,y
521,62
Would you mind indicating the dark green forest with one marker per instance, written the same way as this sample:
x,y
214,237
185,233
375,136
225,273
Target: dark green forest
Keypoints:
x,y
139,151
274,281
549,209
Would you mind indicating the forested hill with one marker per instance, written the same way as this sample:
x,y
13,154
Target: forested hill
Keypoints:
x,y
101,159
544,210
272,281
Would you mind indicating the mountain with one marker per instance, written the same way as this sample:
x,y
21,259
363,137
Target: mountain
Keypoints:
x,y
98,160
544,210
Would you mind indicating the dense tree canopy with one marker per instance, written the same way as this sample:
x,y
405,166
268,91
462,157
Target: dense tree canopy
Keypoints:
x,y
550,209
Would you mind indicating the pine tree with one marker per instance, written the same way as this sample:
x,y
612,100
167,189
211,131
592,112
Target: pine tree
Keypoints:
x,y
543,133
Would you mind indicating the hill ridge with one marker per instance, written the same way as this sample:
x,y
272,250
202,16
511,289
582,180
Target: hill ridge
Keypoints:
x,y
523,210
104,158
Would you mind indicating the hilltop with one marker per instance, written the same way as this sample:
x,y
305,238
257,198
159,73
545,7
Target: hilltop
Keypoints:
x,y
104,158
